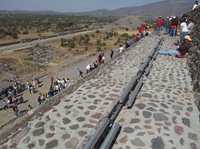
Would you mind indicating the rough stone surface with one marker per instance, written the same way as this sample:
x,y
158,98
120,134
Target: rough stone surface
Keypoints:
x,y
168,119
157,143
160,117
138,142
128,130
147,114
52,144
38,132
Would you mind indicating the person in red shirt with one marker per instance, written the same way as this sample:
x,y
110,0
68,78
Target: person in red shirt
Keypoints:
x,y
159,24
141,30
173,26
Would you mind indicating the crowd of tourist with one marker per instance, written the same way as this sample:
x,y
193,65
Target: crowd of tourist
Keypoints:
x,y
183,26
56,86
33,85
143,30
101,57
11,96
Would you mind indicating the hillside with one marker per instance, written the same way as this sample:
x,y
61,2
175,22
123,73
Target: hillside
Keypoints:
x,y
162,8
126,22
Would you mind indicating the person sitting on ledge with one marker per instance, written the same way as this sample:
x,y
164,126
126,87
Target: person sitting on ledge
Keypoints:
x,y
184,47
181,52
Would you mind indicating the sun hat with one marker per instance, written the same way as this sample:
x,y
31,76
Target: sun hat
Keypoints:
x,y
187,37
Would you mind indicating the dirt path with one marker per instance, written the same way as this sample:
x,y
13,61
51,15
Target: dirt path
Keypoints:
x,y
18,46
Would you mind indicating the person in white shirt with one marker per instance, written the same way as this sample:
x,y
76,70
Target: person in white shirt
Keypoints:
x,y
103,59
88,68
56,88
121,48
184,29
196,4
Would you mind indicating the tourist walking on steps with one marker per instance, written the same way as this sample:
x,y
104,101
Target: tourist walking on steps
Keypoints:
x,y
88,67
121,48
141,30
103,58
40,99
80,73
99,59
30,88
34,85
111,53
15,109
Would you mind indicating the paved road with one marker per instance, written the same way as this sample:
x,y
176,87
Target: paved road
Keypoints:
x,y
14,47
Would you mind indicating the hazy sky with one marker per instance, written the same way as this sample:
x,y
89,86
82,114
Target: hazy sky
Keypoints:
x,y
68,5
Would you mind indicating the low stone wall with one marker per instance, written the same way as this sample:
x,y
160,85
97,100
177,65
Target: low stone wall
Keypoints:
x,y
194,52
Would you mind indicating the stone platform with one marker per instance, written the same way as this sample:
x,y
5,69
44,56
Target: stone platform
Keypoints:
x,y
68,123
164,115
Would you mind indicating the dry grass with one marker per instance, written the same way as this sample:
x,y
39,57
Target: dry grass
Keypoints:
x,y
21,63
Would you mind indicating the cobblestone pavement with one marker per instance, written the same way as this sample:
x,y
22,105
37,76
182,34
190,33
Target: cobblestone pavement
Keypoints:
x,y
164,115
68,123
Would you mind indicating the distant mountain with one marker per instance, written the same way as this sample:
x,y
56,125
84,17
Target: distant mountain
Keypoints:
x,y
162,8
99,12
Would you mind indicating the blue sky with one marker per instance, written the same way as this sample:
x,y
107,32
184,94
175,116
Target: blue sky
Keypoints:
x,y
69,5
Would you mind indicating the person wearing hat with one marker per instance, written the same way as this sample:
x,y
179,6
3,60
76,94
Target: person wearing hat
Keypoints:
x,y
184,46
